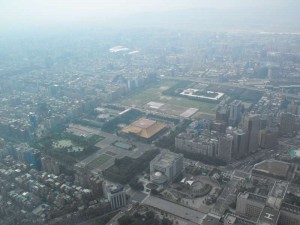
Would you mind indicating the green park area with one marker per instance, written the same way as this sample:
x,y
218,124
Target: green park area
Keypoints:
x,y
66,147
99,161
160,93
66,144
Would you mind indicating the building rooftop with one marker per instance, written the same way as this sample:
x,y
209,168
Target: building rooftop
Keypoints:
x,y
166,159
211,219
268,216
239,132
234,219
290,208
187,214
144,128
253,197
115,188
242,175
236,103
273,168
144,123
279,189
202,95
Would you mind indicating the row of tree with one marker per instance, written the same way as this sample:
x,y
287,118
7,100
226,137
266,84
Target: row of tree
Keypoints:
x,y
126,118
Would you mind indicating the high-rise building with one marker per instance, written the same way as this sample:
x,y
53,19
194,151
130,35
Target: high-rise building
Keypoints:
x,y
268,138
166,165
289,215
199,144
264,122
115,195
287,123
224,149
235,113
240,142
222,114
250,205
232,219
218,126
266,210
252,125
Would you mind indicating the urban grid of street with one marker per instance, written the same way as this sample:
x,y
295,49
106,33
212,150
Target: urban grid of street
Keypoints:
x,y
83,140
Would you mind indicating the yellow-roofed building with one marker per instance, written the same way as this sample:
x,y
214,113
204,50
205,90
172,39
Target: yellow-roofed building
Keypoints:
x,y
144,129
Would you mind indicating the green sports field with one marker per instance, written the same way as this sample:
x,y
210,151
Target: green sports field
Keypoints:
x,y
155,94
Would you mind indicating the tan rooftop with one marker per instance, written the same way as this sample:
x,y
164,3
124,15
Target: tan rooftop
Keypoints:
x,y
144,128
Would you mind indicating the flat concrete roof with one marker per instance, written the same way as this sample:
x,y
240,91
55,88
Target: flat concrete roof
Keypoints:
x,y
211,220
273,167
175,209
268,216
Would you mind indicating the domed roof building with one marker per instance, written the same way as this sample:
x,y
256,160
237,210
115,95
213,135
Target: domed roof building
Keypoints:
x,y
166,167
158,177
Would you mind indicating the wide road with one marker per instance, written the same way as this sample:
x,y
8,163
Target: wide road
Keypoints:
x,y
174,209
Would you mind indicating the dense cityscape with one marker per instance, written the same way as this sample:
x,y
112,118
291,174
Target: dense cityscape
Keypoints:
x,y
150,126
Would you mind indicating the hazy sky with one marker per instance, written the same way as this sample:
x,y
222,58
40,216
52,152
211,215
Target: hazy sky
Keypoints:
x,y
16,13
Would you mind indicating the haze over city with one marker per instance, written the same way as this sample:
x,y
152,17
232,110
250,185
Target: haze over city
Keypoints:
x,y
117,112
20,14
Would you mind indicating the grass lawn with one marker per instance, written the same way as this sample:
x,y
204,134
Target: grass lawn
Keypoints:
x,y
150,94
202,106
155,94
99,161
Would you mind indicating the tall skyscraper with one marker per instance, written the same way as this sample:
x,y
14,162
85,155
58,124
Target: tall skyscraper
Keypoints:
x,y
235,113
252,125
224,149
264,121
115,194
222,114
239,147
268,138
287,123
